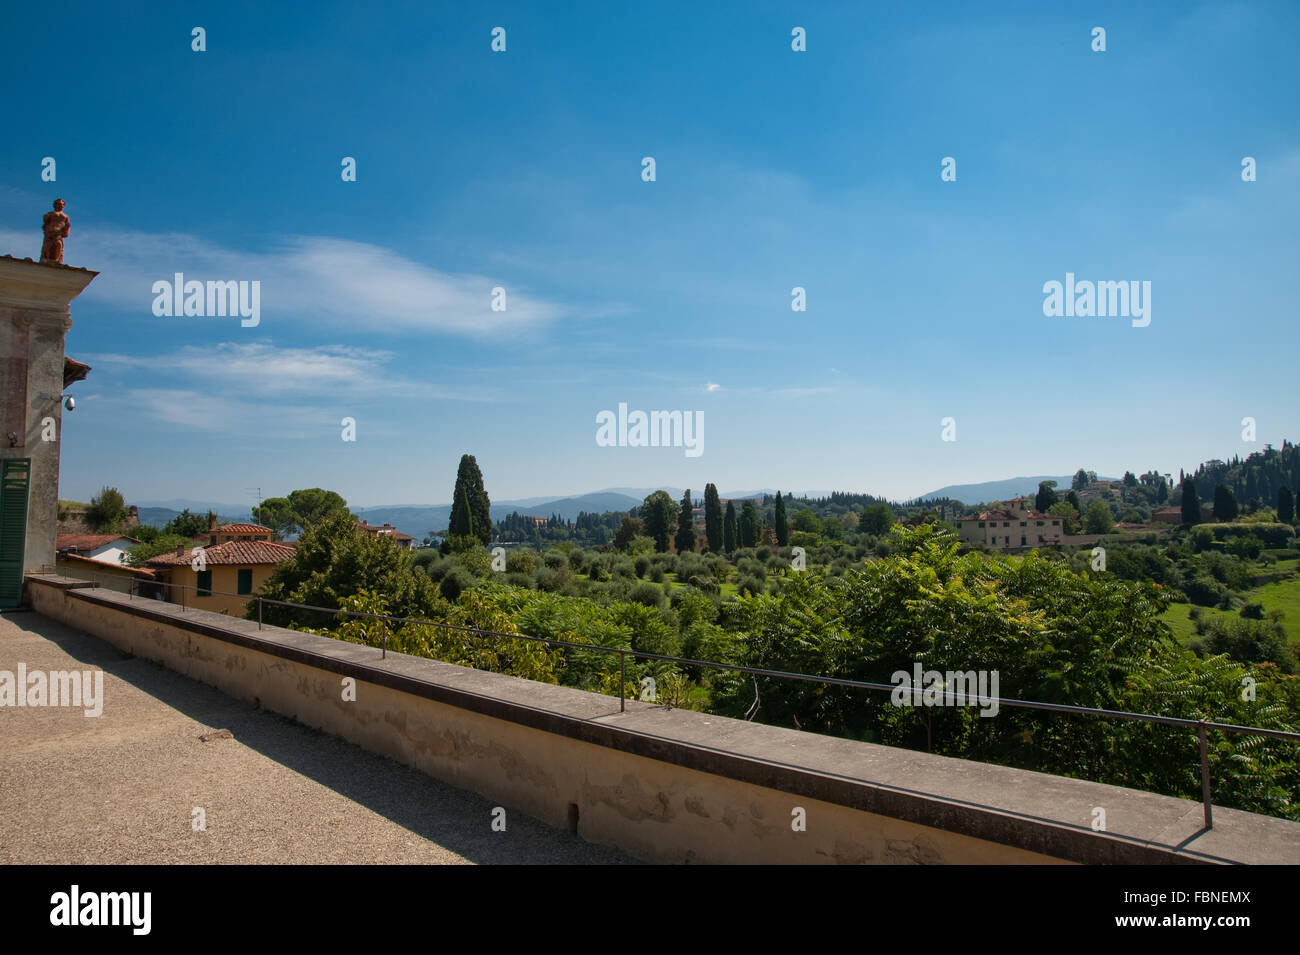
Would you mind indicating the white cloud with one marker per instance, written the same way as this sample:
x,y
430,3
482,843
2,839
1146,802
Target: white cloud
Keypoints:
x,y
259,369
314,279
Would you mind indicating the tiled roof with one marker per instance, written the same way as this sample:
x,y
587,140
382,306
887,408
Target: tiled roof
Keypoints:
x,y
1004,516
101,564
230,553
88,541
386,528
241,529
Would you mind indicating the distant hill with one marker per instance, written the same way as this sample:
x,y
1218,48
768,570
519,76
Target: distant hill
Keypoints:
x,y
158,516
1004,489
419,521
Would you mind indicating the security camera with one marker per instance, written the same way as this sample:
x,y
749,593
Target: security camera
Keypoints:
x,y
70,403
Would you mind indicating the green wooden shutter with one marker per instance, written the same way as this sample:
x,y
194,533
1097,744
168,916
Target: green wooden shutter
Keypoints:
x,y
15,474
245,582
204,584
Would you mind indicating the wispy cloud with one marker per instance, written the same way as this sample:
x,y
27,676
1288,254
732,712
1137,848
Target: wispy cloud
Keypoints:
x,y
347,284
329,373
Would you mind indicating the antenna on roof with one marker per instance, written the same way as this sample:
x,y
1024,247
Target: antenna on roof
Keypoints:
x,y
258,492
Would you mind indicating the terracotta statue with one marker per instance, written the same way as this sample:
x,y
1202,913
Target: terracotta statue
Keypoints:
x,y
57,226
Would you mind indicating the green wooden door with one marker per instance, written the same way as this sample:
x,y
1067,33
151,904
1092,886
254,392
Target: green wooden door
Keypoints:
x,y
15,474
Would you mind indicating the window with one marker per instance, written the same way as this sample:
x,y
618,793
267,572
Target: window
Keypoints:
x,y
1039,523
245,581
1022,523
981,523
1022,540
205,583
1006,523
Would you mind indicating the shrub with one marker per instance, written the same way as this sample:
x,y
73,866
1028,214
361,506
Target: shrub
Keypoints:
x,y
1252,611
647,594
454,584
521,562
1252,641
642,566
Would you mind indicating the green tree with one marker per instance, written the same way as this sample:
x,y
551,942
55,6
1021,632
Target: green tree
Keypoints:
x,y
190,525
1130,479
1191,503
1045,497
1225,503
659,515
749,524
1080,480
1069,515
627,530
333,561
713,518
730,532
301,509
161,544
804,520
876,518
685,539
107,510
470,509
1098,519
782,525
1073,500
1285,505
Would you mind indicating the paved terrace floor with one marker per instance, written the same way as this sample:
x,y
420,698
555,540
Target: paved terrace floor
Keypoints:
x,y
121,788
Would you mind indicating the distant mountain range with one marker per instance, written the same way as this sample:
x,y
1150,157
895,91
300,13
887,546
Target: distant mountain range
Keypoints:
x,y
418,520
1004,489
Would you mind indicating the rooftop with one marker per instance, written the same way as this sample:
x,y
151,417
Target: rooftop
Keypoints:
x,y
231,552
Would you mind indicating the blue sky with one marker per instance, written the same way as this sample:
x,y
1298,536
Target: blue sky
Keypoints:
x,y
774,169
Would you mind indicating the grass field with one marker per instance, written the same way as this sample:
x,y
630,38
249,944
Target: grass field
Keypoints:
x,y
1281,595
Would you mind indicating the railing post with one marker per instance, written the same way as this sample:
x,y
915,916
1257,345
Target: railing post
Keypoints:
x,y
1205,776
622,681
384,624
259,612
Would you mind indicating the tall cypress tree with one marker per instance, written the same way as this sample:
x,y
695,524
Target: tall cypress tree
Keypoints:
x,y
470,508
782,526
749,524
729,530
685,539
713,518
1191,503
1225,504
462,517
1285,505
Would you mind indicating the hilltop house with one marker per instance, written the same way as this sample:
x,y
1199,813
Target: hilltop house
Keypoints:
x,y
1015,525
404,541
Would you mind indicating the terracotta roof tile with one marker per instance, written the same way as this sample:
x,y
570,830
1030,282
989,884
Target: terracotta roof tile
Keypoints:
x,y
230,553
87,541
241,529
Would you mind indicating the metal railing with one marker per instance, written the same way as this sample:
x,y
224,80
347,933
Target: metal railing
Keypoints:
x,y
1202,726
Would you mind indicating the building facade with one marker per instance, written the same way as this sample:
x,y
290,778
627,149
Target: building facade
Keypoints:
x,y
1016,525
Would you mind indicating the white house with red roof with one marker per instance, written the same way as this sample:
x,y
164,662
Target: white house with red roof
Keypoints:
x,y
107,548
